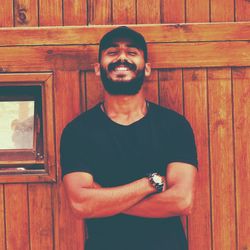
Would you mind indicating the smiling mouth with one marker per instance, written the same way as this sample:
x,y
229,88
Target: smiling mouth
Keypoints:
x,y
121,69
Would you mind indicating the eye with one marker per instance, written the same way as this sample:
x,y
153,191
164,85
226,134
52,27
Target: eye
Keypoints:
x,y
132,52
112,52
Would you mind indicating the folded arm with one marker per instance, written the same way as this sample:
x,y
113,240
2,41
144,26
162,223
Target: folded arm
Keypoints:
x,y
176,200
88,200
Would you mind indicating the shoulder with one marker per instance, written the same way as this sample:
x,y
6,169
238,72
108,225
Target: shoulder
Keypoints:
x,y
167,115
83,122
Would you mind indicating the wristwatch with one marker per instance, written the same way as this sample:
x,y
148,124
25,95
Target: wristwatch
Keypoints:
x,y
157,181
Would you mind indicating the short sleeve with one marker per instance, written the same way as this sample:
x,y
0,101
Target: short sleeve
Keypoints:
x,y
183,147
73,151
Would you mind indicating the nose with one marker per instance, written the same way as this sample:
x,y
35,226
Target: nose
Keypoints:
x,y
122,56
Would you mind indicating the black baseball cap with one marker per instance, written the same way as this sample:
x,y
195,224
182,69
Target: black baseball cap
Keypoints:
x,y
123,32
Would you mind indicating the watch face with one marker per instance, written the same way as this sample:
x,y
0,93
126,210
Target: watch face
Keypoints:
x,y
157,179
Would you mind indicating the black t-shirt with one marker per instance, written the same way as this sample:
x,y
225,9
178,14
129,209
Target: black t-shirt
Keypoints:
x,y
117,154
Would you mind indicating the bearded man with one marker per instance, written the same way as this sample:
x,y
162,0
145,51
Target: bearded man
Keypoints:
x,y
129,165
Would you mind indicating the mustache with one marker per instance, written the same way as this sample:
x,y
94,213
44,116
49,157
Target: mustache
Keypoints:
x,y
112,66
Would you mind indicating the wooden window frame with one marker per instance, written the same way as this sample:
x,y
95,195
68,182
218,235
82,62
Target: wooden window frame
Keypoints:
x,y
12,170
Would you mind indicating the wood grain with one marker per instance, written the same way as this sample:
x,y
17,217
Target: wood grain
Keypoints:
x,y
40,216
222,11
165,33
50,13
72,58
124,12
222,158
173,11
241,90
242,10
75,12
67,107
99,12
94,89
151,87
171,91
6,14
2,218
148,11
195,104
197,11
26,13
83,91
17,218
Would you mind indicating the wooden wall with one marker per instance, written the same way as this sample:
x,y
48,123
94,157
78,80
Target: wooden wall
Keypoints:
x,y
210,86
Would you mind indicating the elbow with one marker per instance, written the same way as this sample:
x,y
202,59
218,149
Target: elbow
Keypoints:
x,y
80,211
186,205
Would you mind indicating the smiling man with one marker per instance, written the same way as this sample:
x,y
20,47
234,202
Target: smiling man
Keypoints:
x,y
128,165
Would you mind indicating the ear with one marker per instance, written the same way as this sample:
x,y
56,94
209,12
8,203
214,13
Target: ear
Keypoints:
x,y
147,69
97,69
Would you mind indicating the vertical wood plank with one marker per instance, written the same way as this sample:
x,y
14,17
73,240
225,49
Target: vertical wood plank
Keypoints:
x,y
197,11
83,97
151,87
17,221
195,104
222,160
149,11
2,218
242,10
171,92
67,93
50,12
40,215
26,12
6,14
94,89
124,12
75,12
222,11
99,12
241,90
173,11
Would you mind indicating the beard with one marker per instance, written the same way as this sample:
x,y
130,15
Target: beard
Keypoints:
x,y
131,87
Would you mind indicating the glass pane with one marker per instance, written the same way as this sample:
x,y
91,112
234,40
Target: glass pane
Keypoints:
x,y
16,124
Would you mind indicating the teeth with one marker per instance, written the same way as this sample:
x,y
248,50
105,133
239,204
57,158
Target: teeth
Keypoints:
x,y
121,69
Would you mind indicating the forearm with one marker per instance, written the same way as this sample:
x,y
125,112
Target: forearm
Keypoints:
x,y
103,202
172,202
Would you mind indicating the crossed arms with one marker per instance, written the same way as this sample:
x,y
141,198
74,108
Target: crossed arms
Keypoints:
x,y
89,200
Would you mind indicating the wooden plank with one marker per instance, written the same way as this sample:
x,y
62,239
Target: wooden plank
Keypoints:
x,y
83,91
94,89
99,12
67,93
148,12
173,11
222,11
241,92
165,33
171,91
195,104
197,11
6,14
17,221
50,12
40,216
124,12
221,158
2,218
242,10
26,12
151,87
75,12
71,58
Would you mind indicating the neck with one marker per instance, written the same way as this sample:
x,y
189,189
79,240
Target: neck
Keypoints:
x,y
125,109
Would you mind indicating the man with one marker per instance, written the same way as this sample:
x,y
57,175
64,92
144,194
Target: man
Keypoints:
x,y
128,165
